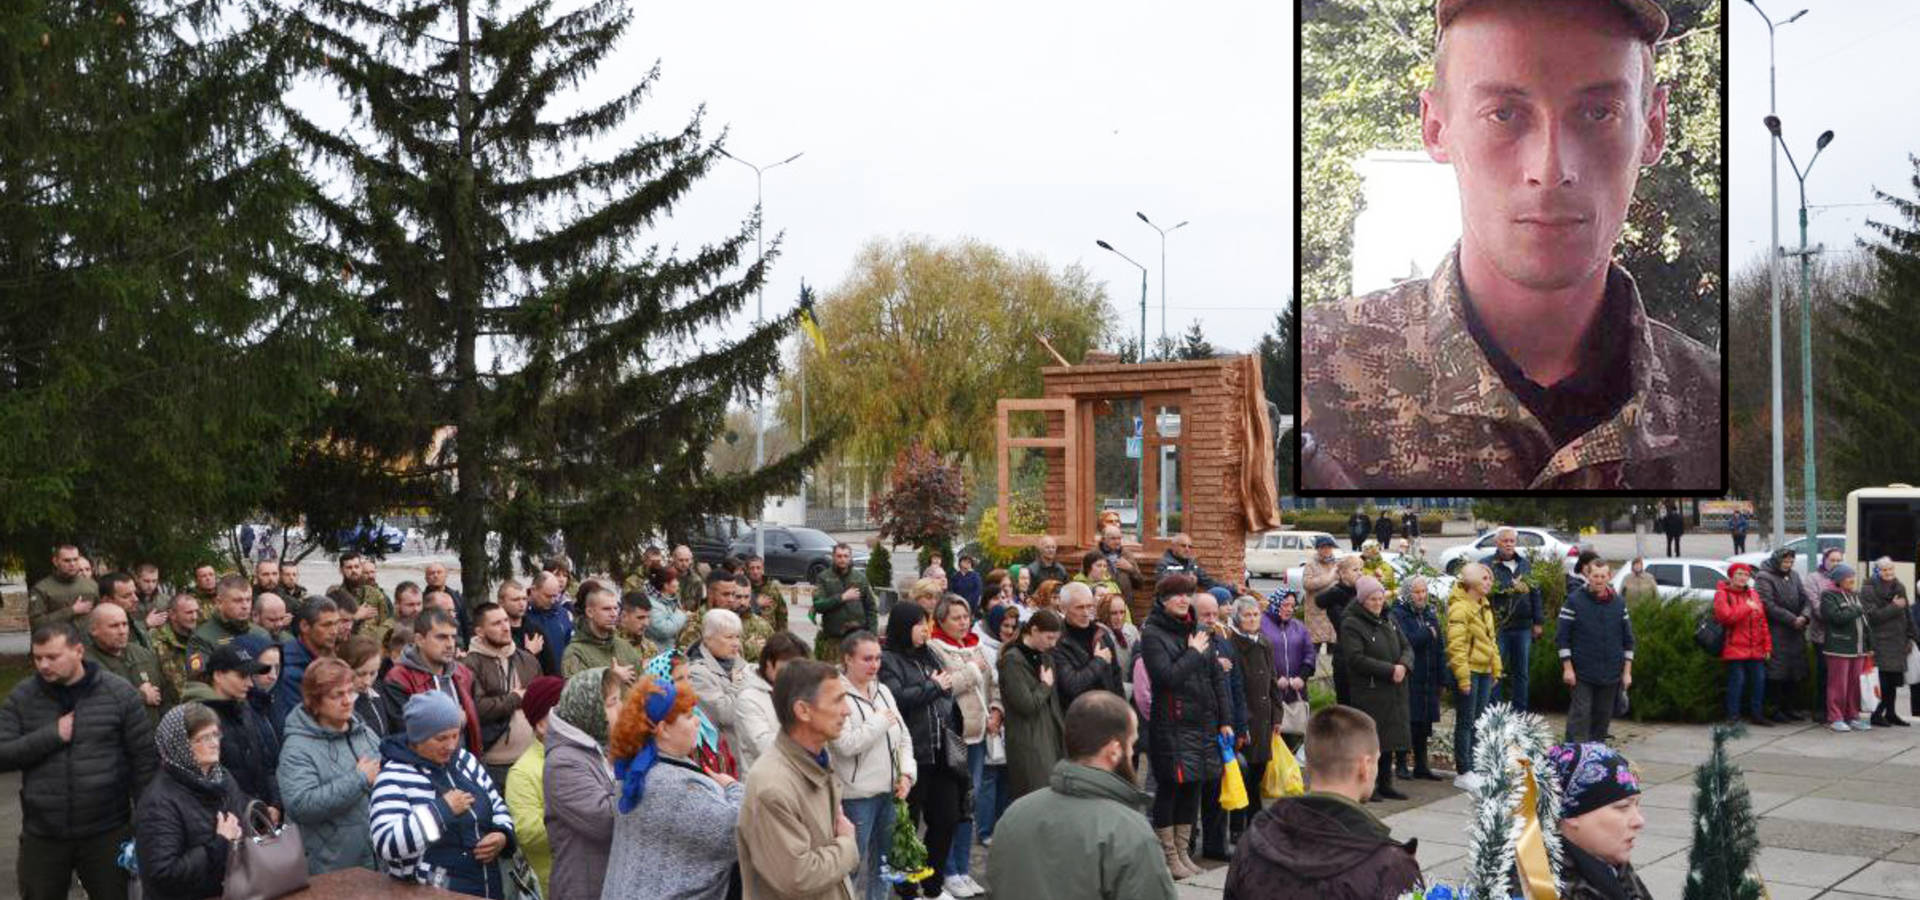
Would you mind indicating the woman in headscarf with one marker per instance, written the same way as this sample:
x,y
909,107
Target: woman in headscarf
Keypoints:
x,y
675,833
924,689
1335,601
190,815
1294,656
714,752
436,818
1372,563
1787,620
1022,584
1891,635
1420,624
1847,649
1263,707
1599,821
1378,661
579,783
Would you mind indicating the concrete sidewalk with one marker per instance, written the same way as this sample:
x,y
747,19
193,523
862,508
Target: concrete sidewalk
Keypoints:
x,y
1840,813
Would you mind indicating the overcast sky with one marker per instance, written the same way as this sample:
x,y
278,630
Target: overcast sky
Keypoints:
x,y
1036,127
1846,66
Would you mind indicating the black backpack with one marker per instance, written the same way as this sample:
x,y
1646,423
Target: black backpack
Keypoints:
x,y
1710,634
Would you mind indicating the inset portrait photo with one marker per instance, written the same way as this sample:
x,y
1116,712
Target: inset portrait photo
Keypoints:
x,y
1512,246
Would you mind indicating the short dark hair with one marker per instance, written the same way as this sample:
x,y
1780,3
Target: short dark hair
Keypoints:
x,y
1096,719
635,600
799,682
1174,584
433,617
595,589
718,575
315,608
781,647
51,630
404,587
1339,736
853,641
480,612
349,556
233,584
1586,556
111,582
1087,560
843,545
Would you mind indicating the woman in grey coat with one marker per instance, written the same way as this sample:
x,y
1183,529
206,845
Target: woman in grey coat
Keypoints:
x,y
328,763
675,833
1891,634
1379,660
1788,618
579,783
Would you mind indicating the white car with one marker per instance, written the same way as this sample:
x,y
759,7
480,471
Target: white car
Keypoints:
x,y
1690,578
1802,562
1564,545
1274,552
1437,585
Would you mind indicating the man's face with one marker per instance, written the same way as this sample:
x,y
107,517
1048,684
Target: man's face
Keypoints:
x,y
56,661
436,575
1206,609
495,629
1323,552
756,570
634,620
185,615
545,589
436,644
1599,573
67,562
236,606
683,559
325,632
266,574
123,596
147,581
1183,547
289,576
407,605
842,557
204,578
1505,543
1540,112
828,711
1080,609
602,611
514,603
273,613
720,595
1048,547
109,628
1110,540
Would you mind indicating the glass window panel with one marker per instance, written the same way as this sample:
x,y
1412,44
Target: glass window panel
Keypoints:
x,y
1118,450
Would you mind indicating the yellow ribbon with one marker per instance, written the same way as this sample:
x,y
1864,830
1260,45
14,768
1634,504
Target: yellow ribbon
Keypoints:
x,y
1530,855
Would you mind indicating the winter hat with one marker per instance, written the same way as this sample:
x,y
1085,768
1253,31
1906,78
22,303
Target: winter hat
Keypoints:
x,y
1591,776
995,616
429,713
1324,541
542,694
1841,573
1737,568
1366,587
584,705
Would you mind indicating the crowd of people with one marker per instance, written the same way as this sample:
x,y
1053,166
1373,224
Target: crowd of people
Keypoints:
x,y
672,736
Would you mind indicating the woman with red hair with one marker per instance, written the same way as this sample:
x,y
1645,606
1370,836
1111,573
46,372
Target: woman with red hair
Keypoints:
x,y
674,836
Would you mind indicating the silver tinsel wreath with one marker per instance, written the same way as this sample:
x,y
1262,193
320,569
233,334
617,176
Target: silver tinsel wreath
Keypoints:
x,y
1502,738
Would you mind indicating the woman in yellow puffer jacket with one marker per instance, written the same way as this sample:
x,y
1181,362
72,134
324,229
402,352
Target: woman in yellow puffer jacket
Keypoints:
x,y
1473,658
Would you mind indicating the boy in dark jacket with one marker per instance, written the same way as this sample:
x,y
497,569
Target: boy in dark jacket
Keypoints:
x,y
80,739
1595,638
1324,845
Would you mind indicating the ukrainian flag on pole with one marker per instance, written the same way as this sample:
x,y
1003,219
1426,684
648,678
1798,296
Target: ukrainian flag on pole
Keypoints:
x,y
813,331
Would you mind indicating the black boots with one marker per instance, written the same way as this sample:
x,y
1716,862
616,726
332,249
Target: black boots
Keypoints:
x,y
1420,769
1400,770
1383,784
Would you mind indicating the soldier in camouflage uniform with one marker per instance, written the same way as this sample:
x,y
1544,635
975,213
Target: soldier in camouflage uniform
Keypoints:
x,y
1527,361
232,617
636,613
844,603
768,600
173,644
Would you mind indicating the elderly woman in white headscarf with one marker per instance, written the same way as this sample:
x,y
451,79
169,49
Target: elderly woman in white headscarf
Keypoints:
x,y
190,815
1891,633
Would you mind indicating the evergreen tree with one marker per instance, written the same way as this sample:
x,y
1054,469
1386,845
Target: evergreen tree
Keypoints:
x,y
157,336
530,367
1193,344
1878,349
1726,835
1276,351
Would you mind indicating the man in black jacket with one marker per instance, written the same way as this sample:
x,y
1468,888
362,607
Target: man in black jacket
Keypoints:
x,y
80,739
1357,526
1595,639
1084,659
1179,558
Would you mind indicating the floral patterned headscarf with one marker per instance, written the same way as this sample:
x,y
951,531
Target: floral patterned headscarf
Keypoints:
x,y
1592,775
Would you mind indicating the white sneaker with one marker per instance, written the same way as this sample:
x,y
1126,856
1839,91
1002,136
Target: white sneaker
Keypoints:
x,y
970,887
1468,782
1840,727
1862,725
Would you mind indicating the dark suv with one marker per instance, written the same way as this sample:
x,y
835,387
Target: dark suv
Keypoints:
x,y
795,553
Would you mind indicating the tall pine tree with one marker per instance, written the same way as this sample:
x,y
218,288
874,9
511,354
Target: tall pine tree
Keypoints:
x,y
1878,350
157,335
530,368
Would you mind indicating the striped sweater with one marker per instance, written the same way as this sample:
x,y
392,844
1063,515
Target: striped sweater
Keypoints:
x,y
416,835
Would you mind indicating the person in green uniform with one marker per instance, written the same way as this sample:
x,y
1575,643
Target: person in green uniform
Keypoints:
x,y
117,588
844,603
65,594
768,601
113,648
597,644
232,617
173,644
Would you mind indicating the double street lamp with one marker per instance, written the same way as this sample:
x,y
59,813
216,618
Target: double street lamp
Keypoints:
x,y
1163,269
759,316
1773,278
1143,293
1806,315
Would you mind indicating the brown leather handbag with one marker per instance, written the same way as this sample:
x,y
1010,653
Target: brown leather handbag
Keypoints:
x,y
267,862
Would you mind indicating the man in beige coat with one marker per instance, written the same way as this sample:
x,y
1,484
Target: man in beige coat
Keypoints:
x,y
795,843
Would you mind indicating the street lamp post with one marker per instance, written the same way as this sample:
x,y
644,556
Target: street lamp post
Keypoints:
x,y
1806,317
759,315
1163,268
1143,295
1773,277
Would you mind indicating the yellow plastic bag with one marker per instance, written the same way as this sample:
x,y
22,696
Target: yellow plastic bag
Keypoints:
x,y
1233,788
1283,777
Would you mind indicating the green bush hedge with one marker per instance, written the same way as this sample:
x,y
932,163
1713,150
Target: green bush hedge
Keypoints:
x,y
1673,679
1335,523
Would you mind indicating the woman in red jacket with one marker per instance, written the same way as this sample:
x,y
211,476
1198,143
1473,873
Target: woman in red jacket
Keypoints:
x,y
1737,606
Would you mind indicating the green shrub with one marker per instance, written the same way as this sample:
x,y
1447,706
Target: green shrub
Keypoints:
x,y
1673,679
1335,523
1027,517
880,566
1319,696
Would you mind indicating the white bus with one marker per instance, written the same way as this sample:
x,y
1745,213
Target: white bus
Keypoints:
x,y
1884,521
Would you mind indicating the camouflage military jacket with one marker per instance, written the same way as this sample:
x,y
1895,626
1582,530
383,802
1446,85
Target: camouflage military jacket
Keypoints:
x,y
754,631
180,659
1396,393
770,602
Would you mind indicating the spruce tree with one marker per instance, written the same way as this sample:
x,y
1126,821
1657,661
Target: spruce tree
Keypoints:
x,y
1726,836
1878,349
157,332
531,367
